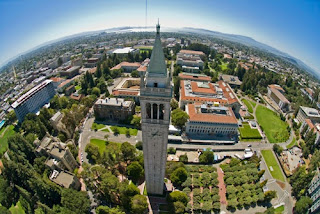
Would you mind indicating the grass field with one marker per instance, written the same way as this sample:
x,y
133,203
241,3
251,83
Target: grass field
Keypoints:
x,y
78,87
247,133
279,210
105,130
248,104
292,144
270,160
122,130
101,144
224,66
253,103
273,126
4,139
16,209
97,126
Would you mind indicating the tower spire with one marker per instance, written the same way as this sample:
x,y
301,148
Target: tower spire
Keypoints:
x,y
158,27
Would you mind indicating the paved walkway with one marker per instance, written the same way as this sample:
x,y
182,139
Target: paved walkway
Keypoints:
x,y
222,189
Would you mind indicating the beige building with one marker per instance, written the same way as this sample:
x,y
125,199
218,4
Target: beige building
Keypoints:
x,y
113,109
308,113
276,93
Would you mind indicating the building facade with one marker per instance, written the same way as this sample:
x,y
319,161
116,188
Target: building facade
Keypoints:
x,y
314,192
155,96
211,119
113,109
308,113
275,93
34,99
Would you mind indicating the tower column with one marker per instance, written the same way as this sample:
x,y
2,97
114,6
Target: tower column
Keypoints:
x,y
158,112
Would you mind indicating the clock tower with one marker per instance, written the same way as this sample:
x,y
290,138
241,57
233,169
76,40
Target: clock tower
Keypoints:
x,y
155,97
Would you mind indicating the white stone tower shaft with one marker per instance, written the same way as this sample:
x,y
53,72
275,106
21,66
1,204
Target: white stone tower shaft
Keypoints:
x,y
155,97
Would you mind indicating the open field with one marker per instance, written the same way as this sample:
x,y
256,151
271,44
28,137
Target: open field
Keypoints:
x,y
271,161
123,130
273,126
4,139
247,133
105,145
248,104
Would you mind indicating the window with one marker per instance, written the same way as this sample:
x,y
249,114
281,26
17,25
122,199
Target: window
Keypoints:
x,y
148,109
155,84
161,112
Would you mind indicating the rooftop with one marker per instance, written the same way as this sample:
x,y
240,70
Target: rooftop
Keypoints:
x,y
113,102
231,79
192,52
126,64
211,114
196,77
64,179
310,112
123,50
30,93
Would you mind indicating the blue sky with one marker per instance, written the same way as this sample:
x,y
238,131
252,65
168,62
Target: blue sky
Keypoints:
x,y
290,26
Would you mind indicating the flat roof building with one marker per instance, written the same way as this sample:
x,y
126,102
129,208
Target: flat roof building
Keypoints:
x,y
113,109
233,81
211,119
65,179
308,113
194,77
34,99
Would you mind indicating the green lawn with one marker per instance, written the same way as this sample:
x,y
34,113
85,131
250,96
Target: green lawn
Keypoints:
x,y
247,133
78,87
4,140
293,143
97,126
16,209
275,129
270,160
105,130
122,130
279,210
248,104
253,103
101,144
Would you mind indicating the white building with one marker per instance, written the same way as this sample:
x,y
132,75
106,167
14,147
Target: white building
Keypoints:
x,y
308,113
190,60
34,99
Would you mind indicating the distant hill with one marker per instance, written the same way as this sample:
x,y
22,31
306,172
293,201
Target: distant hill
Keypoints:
x,y
248,41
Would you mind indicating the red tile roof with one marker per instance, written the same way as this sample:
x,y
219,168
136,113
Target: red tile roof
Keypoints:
x,y
64,83
56,79
228,92
195,88
123,92
199,99
78,98
192,52
207,117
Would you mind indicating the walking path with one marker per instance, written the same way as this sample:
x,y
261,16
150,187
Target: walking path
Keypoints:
x,y
222,190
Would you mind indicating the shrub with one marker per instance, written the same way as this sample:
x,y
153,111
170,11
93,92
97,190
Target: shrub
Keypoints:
x,y
139,145
171,150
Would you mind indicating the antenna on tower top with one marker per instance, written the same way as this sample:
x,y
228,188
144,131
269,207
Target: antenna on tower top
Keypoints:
x,y
146,13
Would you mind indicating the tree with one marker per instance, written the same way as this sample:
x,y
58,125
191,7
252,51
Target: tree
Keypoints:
x,y
4,210
135,73
93,152
95,91
299,180
207,206
179,176
302,205
178,207
174,104
135,171
171,150
277,149
126,194
187,182
75,201
139,204
108,210
178,196
206,157
179,118
183,158
269,195
128,151
139,145
11,117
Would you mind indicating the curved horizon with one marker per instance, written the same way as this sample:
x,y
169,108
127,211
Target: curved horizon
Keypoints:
x,y
291,28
